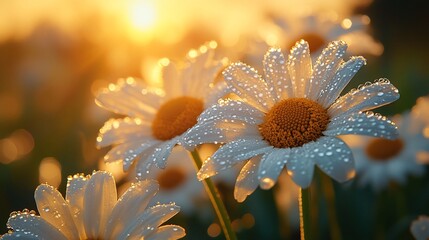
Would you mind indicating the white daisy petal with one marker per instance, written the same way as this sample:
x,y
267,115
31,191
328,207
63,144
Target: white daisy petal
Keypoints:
x,y
300,68
130,206
202,133
217,132
248,85
230,154
420,228
126,96
100,198
326,67
366,97
162,152
200,72
54,209
75,193
366,123
218,91
236,129
271,166
94,198
335,158
21,236
247,180
300,166
128,152
167,232
33,225
276,76
148,222
156,155
172,87
333,88
232,110
146,162
122,130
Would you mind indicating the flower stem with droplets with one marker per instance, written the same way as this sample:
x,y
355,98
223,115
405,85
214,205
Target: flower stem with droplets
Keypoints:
x,y
216,201
304,213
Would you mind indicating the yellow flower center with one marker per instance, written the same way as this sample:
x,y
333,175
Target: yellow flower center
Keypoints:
x,y
293,122
176,116
381,149
171,178
315,41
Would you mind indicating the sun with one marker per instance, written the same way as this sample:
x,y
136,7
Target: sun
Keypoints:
x,y
142,15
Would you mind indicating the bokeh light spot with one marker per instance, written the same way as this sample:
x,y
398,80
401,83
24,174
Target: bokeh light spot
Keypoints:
x,y
50,172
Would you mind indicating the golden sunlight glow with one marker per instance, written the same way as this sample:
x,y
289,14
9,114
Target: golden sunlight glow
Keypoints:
x,y
192,53
272,39
113,167
151,70
141,20
142,15
50,172
346,23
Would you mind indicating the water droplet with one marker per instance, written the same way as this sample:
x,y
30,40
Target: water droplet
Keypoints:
x,y
267,183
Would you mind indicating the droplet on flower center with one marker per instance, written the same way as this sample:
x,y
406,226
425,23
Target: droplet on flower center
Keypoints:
x,y
315,41
171,178
176,116
381,149
294,122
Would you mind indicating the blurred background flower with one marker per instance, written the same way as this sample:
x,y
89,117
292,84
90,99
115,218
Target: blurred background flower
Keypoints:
x,y
381,161
55,55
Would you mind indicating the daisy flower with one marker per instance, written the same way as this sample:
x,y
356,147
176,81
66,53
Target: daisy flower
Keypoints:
x,y
178,182
91,210
420,228
158,118
292,117
379,161
420,112
318,30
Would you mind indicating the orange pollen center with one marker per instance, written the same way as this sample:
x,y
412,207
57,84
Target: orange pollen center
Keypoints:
x,y
171,178
176,116
294,122
381,149
315,41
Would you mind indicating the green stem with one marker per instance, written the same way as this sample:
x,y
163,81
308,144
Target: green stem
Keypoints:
x,y
304,213
216,201
328,191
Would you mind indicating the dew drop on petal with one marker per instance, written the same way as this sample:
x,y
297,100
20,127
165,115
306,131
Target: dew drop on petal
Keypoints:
x,y
267,183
